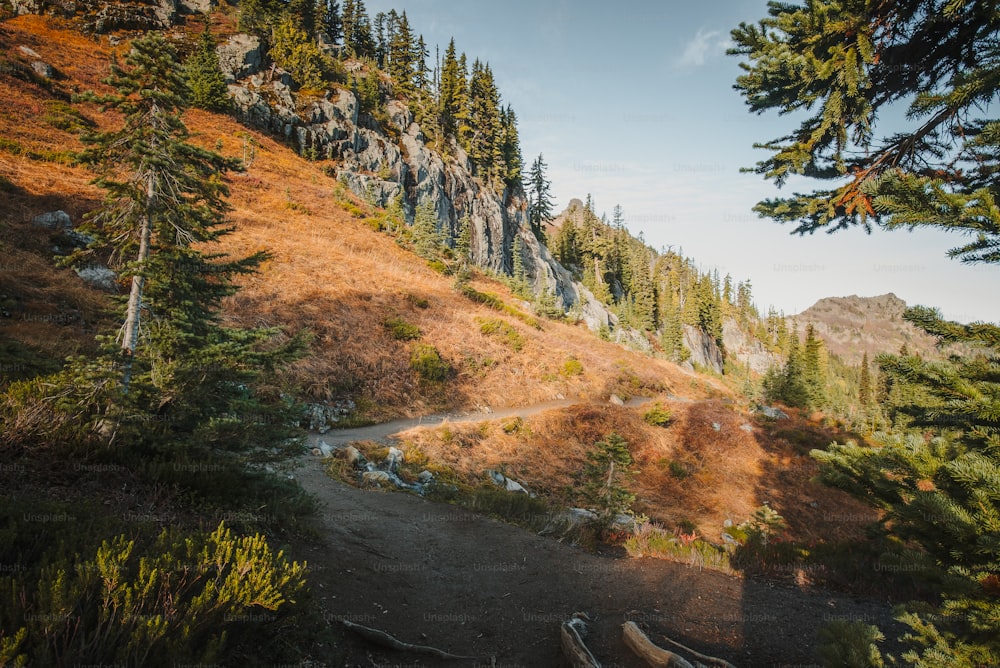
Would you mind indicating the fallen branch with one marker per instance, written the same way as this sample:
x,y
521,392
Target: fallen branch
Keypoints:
x,y
658,657
653,655
385,640
573,646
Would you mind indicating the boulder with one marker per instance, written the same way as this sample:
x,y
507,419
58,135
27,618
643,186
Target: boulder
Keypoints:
x,y
500,480
98,276
53,220
240,57
772,413
197,6
42,69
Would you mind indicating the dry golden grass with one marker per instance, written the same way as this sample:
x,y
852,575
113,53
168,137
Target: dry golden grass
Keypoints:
x,y
331,274
729,472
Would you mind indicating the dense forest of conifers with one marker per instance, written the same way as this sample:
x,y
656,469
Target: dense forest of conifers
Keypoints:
x,y
451,98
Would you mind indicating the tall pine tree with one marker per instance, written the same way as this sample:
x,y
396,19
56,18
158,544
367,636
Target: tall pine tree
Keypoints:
x,y
540,203
164,202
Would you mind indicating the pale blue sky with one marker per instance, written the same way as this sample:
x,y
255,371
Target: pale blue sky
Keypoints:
x,y
632,102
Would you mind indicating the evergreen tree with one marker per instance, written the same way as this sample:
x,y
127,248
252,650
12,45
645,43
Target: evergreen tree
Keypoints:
x,y
510,144
463,245
814,367
846,63
164,201
484,121
358,29
294,50
519,277
304,15
401,50
607,471
788,386
865,384
347,26
204,76
539,196
331,22
453,96
256,16
421,74
427,237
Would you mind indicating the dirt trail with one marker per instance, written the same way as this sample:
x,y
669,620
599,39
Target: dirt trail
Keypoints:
x,y
439,575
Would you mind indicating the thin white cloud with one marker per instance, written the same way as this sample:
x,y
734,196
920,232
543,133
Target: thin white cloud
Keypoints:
x,y
704,44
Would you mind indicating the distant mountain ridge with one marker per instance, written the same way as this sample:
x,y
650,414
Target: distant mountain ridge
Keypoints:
x,y
853,326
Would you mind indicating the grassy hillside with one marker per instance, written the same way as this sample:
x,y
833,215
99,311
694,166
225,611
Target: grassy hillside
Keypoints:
x,y
370,303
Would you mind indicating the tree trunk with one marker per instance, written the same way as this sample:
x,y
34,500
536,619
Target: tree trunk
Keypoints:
x,y
131,338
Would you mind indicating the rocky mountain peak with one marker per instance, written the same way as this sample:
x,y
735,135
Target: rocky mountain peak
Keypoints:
x,y
853,326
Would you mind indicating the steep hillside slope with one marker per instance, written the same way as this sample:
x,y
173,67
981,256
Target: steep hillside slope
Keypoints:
x,y
331,273
347,284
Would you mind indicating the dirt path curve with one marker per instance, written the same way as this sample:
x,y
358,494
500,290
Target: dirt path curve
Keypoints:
x,y
439,575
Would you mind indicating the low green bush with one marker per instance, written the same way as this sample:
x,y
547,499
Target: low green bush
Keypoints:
x,y
658,415
189,598
426,361
401,330
502,331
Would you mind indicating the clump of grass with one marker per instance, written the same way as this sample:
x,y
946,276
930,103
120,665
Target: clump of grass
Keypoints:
x,y
417,301
494,302
64,116
426,361
650,540
520,509
677,469
401,330
502,331
513,426
658,415
572,367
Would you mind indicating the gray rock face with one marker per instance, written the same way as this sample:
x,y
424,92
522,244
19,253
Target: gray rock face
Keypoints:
x,y
103,17
53,220
385,170
98,276
240,57
746,349
197,6
704,350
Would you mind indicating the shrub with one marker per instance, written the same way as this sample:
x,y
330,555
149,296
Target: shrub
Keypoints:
x,y
426,361
649,540
503,331
181,598
401,330
850,644
677,469
520,509
572,367
658,415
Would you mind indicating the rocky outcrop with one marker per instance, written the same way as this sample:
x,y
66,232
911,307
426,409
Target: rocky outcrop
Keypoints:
x,y
390,163
240,57
746,349
704,350
395,165
104,17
